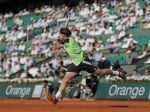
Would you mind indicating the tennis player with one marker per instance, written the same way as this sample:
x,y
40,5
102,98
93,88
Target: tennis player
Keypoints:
x,y
79,62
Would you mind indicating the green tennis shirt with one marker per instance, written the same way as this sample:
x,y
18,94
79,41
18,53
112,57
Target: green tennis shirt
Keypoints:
x,y
74,51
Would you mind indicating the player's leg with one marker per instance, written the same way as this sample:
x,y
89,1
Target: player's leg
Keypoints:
x,y
103,71
89,67
108,72
71,72
62,87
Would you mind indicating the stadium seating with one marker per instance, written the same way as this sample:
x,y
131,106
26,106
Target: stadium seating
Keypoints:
x,y
140,35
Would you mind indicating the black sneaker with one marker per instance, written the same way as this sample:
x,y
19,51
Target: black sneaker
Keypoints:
x,y
116,65
122,74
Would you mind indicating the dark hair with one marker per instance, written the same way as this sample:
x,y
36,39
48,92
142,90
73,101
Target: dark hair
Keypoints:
x,y
65,31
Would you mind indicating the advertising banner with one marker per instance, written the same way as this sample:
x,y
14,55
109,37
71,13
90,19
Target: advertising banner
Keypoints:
x,y
20,91
123,91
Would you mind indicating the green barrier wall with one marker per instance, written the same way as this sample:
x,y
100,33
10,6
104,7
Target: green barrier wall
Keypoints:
x,y
20,91
139,91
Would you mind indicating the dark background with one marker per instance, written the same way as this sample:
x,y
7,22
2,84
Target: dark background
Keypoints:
x,y
17,5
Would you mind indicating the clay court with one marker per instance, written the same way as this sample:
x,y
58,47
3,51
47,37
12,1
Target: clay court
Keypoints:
x,y
22,105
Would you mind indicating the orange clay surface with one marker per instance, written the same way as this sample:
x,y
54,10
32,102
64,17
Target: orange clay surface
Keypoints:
x,y
22,105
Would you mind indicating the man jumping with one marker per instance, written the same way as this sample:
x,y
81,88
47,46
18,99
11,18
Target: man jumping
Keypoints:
x,y
79,62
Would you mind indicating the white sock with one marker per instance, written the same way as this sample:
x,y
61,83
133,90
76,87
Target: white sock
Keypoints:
x,y
115,72
58,95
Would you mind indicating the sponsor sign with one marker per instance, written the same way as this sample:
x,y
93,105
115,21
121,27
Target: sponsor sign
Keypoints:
x,y
123,91
20,91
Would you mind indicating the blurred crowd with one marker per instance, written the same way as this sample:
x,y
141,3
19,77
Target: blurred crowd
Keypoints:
x,y
113,18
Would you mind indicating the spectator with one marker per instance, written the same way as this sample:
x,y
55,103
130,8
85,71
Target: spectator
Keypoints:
x,y
25,74
147,73
15,67
117,46
99,45
129,42
142,54
129,57
18,21
135,75
132,46
4,27
21,47
108,44
148,61
33,71
8,72
97,56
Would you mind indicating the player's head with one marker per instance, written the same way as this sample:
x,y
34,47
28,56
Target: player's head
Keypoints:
x,y
65,32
